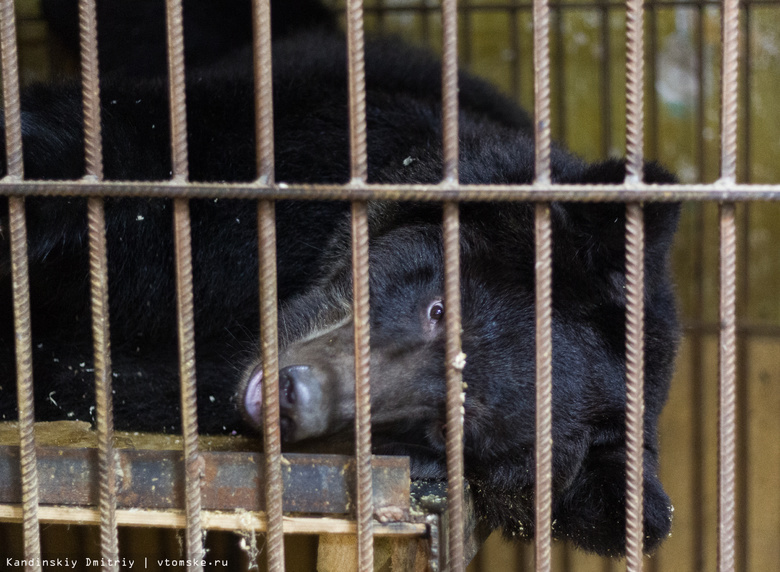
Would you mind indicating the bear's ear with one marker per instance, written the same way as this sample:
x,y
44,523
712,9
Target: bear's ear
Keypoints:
x,y
592,511
603,224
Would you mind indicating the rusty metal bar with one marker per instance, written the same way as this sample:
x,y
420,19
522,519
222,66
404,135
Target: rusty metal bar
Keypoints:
x,y
109,543
154,479
456,391
444,191
635,247
728,245
360,293
541,19
727,390
272,442
361,321
21,289
184,299
635,406
543,491
543,288
634,91
454,357
729,91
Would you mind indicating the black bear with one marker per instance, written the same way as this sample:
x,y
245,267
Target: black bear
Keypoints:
x,y
406,277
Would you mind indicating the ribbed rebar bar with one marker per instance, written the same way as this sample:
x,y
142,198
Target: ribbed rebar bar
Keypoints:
x,y
543,278
93,153
176,84
456,390
634,91
189,407
272,441
10,69
635,404
365,507
727,390
541,20
728,245
543,491
729,91
184,297
264,115
21,289
357,91
449,79
24,388
444,191
635,246
454,358
360,291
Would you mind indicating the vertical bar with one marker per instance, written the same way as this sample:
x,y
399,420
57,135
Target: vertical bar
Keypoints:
x,y
634,90
109,544
635,247
727,347
274,487
635,406
543,279
359,173
455,360
184,300
543,287
541,18
727,389
21,289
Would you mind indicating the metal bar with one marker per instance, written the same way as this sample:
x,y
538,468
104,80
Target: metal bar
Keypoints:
x,y
454,358
585,5
634,91
543,287
21,289
109,543
360,290
635,407
727,347
541,18
449,84
444,191
153,479
727,390
272,442
543,281
455,401
361,321
184,298
635,247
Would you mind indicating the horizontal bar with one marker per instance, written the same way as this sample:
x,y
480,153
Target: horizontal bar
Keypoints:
x,y
150,479
211,520
558,4
640,192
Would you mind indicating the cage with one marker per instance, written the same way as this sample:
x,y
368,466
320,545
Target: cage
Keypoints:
x,y
721,472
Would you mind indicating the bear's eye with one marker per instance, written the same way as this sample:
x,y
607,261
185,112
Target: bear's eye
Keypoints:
x,y
436,311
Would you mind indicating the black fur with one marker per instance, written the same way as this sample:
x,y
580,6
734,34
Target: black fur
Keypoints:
x,y
311,145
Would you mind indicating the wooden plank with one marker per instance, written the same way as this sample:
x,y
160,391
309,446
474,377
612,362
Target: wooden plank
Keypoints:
x,y
212,520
